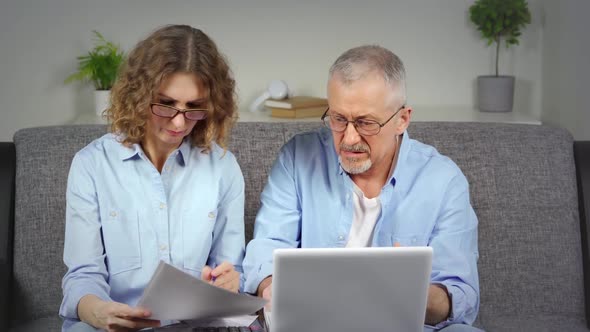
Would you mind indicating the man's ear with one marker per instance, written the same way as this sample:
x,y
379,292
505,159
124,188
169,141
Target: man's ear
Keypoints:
x,y
405,115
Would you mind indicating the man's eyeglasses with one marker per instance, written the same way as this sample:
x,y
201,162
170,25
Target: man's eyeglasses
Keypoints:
x,y
365,127
166,111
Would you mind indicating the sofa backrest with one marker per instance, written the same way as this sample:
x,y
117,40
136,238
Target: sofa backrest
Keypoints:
x,y
523,189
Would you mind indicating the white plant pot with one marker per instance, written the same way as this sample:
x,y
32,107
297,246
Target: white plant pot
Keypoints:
x,y
102,101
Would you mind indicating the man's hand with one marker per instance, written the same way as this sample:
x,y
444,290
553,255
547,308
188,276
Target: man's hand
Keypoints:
x,y
113,316
223,276
438,307
265,291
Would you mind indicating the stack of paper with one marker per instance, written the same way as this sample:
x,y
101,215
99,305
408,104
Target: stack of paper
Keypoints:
x,y
175,295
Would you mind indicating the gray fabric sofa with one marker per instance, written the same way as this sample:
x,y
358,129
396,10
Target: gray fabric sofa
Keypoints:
x,y
524,187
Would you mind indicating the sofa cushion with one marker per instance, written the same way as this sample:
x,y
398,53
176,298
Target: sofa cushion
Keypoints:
x,y
537,323
522,186
43,161
46,324
523,189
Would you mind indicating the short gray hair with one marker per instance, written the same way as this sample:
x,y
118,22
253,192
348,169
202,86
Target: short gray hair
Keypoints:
x,y
358,62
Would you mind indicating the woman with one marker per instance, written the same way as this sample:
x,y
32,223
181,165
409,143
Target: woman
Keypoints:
x,y
159,187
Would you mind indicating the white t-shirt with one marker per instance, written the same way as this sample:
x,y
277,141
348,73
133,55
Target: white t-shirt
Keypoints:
x,y
366,212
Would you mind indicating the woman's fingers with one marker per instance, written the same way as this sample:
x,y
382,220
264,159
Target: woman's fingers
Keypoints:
x,y
124,311
127,317
224,276
116,323
206,273
229,281
222,268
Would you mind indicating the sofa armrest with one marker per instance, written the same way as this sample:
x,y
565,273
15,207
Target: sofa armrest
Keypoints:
x,y
7,174
582,157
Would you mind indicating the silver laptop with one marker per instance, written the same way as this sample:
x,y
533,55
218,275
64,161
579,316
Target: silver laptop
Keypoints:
x,y
345,289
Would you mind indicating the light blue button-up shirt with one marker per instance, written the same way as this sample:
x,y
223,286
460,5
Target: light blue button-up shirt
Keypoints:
x,y
308,202
123,217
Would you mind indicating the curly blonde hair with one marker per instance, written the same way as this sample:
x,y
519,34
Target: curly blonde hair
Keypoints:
x,y
168,50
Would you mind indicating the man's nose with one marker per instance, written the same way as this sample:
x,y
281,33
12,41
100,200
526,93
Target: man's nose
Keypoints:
x,y
351,136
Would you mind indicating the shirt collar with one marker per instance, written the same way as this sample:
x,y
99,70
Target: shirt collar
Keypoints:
x,y
135,151
400,172
184,151
126,152
401,155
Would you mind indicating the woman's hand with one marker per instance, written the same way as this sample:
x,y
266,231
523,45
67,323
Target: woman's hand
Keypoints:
x,y
223,276
113,316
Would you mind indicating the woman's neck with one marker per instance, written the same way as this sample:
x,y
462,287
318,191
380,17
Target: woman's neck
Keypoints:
x,y
157,153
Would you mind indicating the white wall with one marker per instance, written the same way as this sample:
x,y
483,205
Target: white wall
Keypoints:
x,y
566,66
293,40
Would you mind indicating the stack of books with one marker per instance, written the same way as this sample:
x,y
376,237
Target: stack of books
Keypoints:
x,y
297,107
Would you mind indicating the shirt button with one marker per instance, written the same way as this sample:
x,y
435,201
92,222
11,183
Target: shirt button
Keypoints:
x,y
113,213
162,206
211,215
167,168
340,237
163,247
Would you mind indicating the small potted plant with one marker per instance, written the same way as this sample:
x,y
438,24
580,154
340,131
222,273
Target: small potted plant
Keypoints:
x,y
99,66
498,20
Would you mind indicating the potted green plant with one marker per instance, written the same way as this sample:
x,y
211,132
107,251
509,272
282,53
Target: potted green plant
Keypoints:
x,y
498,20
99,66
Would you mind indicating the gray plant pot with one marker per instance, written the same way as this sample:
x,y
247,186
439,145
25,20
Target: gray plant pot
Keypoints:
x,y
495,93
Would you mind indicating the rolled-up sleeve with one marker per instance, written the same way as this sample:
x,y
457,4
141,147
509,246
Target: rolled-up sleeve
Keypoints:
x,y
454,242
84,253
278,223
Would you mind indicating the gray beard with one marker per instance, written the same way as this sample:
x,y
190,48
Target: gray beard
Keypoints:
x,y
358,169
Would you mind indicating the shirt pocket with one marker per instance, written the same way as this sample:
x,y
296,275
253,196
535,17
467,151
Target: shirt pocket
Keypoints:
x,y
197,239
120,229
415,240
403,240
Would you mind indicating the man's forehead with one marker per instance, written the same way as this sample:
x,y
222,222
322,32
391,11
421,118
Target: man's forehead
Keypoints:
x,y
370,85
361,104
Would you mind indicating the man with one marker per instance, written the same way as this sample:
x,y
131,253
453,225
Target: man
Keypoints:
x,y
362,181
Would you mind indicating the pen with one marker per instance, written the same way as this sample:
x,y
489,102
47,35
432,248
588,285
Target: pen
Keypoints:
x,y
213,266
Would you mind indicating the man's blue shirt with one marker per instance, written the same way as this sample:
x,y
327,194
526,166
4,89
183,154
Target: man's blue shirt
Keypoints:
x,y
308,202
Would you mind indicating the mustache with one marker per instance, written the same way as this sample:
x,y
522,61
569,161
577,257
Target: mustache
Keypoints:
x,y
354,148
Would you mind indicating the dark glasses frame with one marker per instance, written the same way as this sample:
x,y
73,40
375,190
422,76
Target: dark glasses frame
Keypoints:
x,y
192,114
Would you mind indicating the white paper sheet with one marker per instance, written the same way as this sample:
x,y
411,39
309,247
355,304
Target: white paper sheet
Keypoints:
x,y
175,295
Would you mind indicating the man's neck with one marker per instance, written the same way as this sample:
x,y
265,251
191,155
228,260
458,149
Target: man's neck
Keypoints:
x,y
372,181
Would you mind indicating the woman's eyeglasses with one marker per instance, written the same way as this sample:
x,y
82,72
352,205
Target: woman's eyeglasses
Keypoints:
x,y
166,111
